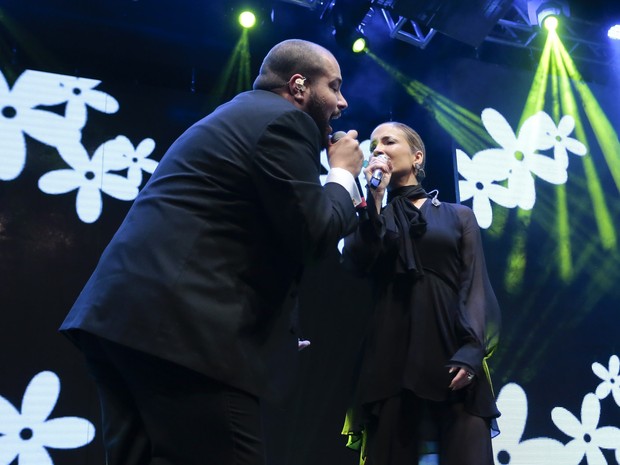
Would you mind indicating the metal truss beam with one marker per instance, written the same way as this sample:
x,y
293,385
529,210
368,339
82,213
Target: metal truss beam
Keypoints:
x,y
583,40
407,30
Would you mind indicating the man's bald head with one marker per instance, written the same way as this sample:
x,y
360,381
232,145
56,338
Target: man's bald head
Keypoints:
x,y
293,56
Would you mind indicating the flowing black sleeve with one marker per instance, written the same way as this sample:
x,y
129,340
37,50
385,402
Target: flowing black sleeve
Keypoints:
x,y
479,313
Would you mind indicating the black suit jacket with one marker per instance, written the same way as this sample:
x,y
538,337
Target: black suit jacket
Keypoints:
x,y
200,271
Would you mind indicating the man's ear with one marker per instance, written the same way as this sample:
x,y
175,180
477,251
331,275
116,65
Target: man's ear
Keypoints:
x,y
297,88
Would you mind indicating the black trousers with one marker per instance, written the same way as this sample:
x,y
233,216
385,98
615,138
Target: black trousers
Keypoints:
x,y
401,426
158,413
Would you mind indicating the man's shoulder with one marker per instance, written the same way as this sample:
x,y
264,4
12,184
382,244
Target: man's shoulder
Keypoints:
x,y
256,99
256,107
252,115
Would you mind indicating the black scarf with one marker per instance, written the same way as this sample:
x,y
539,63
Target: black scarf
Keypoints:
x,y
409,223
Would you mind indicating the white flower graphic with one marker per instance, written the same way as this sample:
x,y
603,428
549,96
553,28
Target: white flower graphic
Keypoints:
x,y
77,92
479,183
588,438
516,162
520,156
559,138
90,178
119,154
611,379
19,115
28,435
508,447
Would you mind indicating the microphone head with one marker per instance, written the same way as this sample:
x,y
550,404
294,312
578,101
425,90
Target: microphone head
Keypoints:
x,y
377,174
335,137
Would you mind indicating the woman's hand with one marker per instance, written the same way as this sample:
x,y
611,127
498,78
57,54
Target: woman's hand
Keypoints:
x,y
380,162
463,378
384,164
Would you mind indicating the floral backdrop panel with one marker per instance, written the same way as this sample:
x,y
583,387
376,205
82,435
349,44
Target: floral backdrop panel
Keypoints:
x,y
544,185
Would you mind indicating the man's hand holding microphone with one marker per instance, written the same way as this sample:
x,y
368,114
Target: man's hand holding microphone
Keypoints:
x,y
344,152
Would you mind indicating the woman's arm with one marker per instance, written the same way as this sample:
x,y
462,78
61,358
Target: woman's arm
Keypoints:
x,y
479,316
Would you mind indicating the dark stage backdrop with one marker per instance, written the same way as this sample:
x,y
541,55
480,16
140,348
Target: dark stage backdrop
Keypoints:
x,y
74,152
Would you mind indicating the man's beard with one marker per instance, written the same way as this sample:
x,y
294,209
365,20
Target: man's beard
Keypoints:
x,y
316,109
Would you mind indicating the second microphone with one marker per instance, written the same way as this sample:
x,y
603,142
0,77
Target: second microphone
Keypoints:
x,y
377,175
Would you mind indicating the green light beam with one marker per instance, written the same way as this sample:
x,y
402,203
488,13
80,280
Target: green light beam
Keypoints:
x,y
562,225
500,218
536,98
602,215
463,126
517,259
244,78
603,130
535,102
238,61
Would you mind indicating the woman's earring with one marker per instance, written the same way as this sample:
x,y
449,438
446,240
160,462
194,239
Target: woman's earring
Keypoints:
x,y
419,172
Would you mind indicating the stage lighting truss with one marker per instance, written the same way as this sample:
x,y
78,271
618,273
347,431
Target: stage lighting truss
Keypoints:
x,y
405,29
399,27
310,4
582,39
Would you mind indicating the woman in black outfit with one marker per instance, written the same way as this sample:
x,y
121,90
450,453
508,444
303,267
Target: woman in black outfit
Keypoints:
x,y
424,384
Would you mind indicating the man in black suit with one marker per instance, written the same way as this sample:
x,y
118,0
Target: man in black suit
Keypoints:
x,y
196,288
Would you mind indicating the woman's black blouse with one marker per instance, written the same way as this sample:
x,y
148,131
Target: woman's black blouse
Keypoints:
x,y
434,306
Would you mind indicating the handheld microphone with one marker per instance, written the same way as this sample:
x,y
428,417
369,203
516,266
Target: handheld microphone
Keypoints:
x,y
377,175
335,137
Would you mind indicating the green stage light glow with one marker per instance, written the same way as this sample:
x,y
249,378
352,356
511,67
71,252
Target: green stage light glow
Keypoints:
x,y
359,45
247,19
562,103
464,126
536,98
605,134
551,23
607,139
558,80
517,258
570,106
236,76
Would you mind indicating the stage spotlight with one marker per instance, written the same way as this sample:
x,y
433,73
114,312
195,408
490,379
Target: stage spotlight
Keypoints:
x,y
550,23
546,14
359,45
247,19
351,39
348,19
614,32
